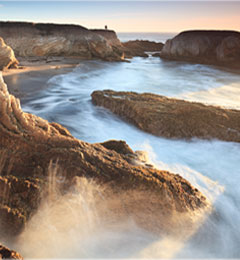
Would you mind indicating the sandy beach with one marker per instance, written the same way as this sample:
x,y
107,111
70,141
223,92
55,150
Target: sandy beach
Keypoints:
x,y
33,73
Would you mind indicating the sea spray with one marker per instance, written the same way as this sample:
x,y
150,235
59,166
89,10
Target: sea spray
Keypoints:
x,y
62,221
67,101
89,220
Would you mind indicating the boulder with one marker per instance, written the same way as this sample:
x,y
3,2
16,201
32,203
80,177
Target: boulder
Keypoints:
x,y
45,40
139,47
6,253
171,118
220,48
155,199
7,57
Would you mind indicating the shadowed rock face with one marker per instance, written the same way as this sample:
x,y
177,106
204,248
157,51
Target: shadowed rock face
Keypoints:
x,y
207,47
171,118
29,143
19,199
6,253
7,57
29,39
139,47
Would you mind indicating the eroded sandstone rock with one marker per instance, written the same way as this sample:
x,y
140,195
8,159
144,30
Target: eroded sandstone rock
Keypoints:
x,y
207,47
19,199
171,118
30,40
7,57
154,199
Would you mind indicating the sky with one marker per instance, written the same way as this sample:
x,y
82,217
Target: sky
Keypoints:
x,y
128,16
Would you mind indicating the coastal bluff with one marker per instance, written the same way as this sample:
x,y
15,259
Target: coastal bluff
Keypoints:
x,y
171,118
39,39
31,148
221,48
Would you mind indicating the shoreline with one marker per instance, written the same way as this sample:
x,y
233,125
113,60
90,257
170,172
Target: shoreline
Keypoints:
x,y
33,74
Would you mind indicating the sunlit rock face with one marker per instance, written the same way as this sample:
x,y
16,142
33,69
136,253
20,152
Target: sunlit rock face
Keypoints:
x,y
207,47
7,57
171,118
6,253
156,200
29,39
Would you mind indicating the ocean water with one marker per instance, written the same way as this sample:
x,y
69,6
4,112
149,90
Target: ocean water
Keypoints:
x,y
73,230
157,37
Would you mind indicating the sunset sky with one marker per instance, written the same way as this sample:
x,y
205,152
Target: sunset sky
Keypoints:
x,y
128,16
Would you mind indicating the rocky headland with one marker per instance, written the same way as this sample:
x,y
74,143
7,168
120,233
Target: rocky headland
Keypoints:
x,y
221,48
31,148
46,40
171,118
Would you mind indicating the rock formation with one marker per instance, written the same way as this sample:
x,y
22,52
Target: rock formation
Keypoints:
x,y
207,47
30,144
30,39
171,118
6,253
139,47
7,57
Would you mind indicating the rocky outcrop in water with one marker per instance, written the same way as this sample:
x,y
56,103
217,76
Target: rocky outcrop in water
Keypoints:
x,y
207,47
6,253
30,144
139,47
30,39
7,57
171,118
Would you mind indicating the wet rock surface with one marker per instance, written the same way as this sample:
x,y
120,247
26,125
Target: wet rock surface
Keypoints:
x,y
220,48
171,118
31,145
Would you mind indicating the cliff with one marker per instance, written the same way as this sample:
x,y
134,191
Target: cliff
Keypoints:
x,y
171,118
29,145
207,47
7,57
30,39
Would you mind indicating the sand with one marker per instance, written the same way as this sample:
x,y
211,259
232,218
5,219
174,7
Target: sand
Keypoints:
x,y
34,73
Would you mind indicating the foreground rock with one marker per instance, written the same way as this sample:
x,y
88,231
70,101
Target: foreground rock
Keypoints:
x,y
154,199
6,253
19,199
7,57
30,40
208,47
171,118
139,47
